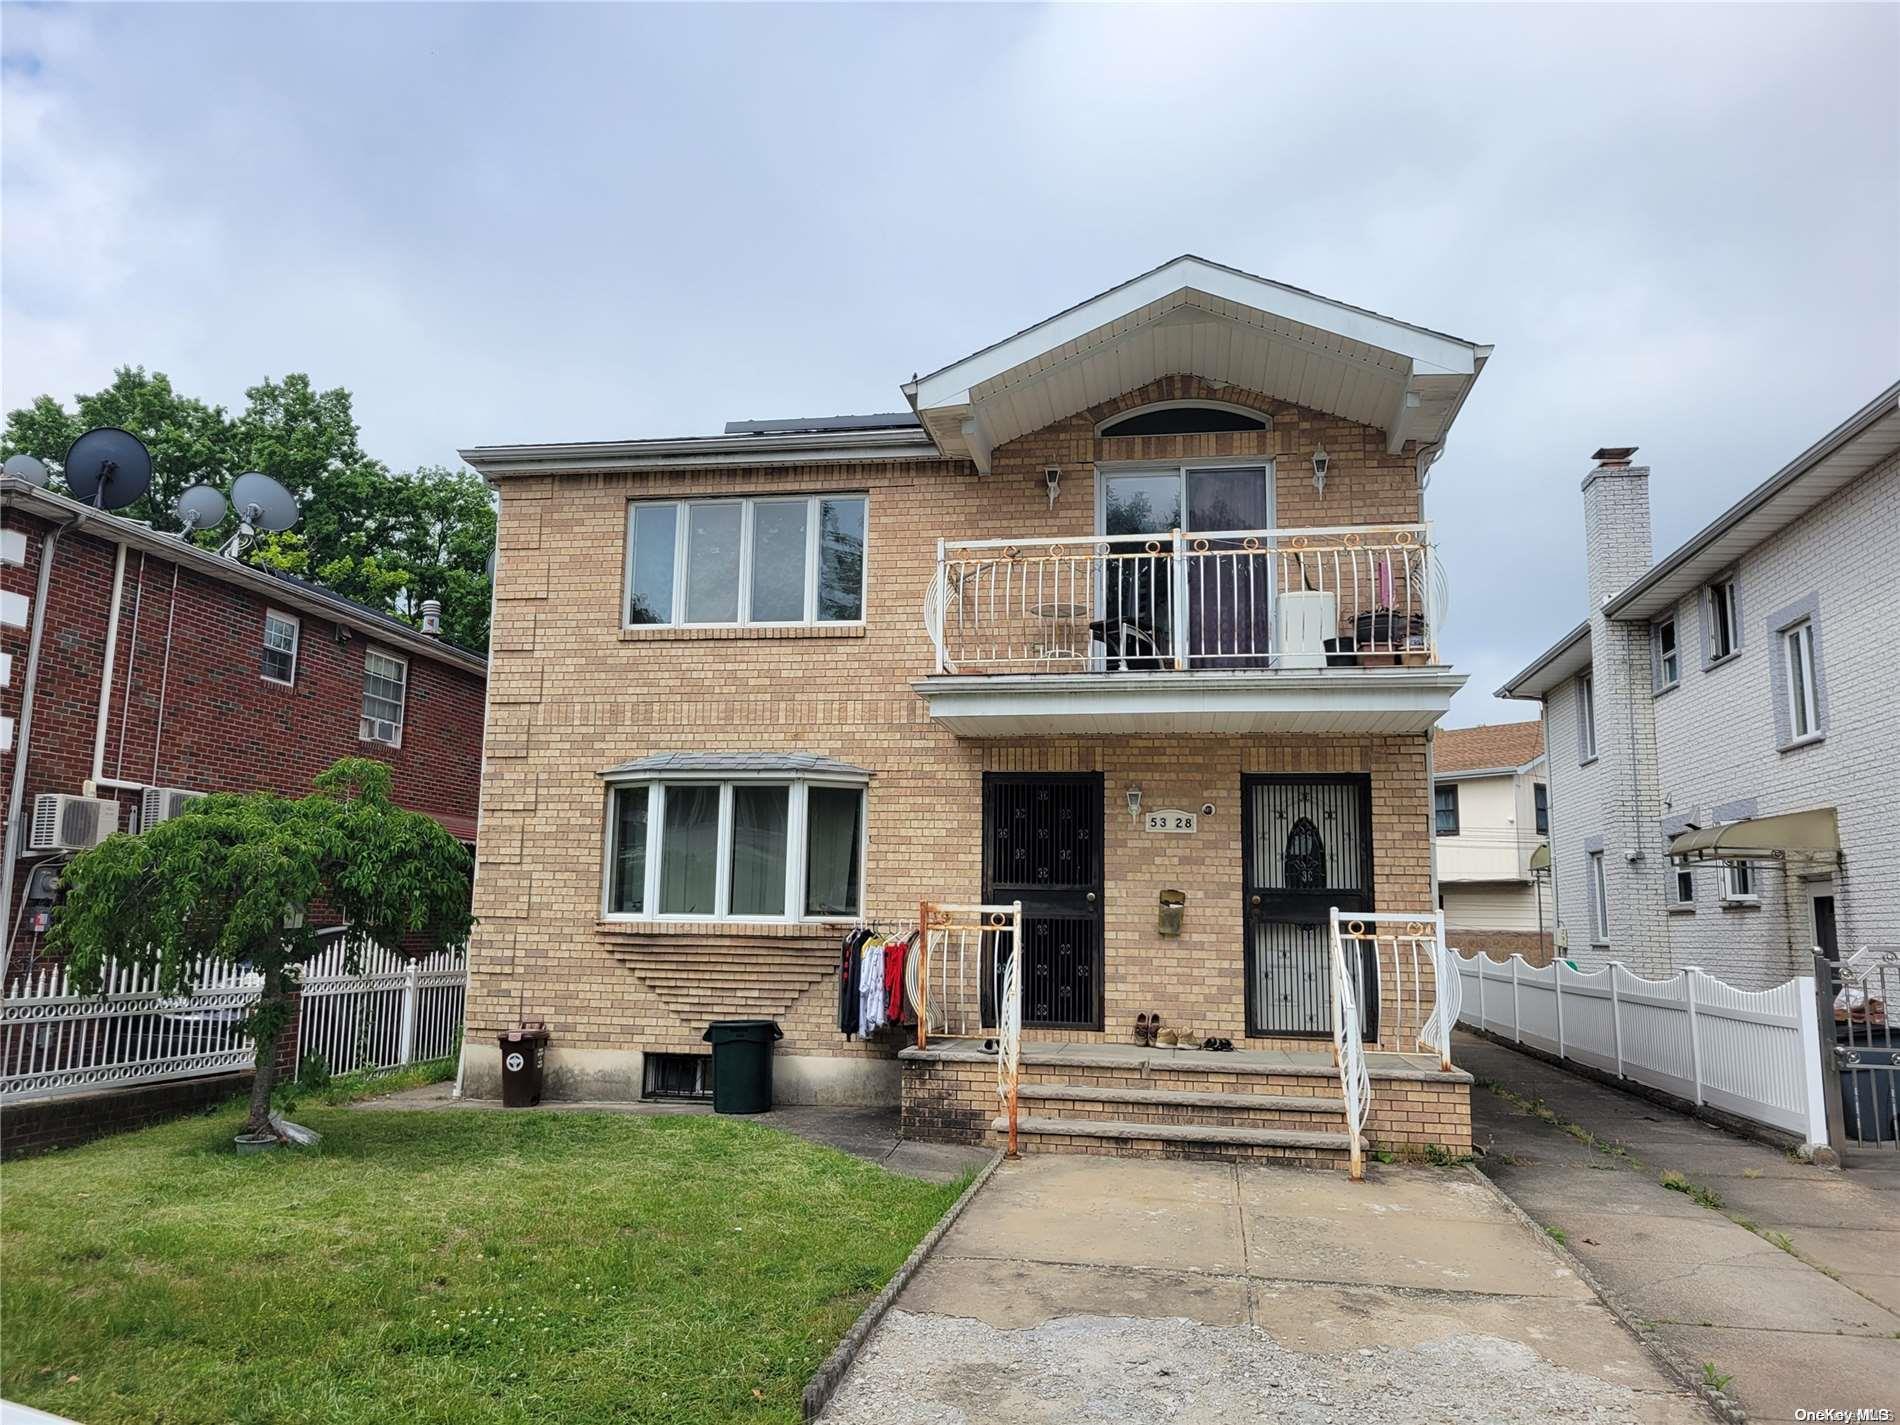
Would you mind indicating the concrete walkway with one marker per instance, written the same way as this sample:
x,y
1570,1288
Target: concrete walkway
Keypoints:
x,y
867,1133
1803,1312
1103,1289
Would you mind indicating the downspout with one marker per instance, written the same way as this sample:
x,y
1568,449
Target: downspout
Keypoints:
x,y
105,681
16,796
1550,814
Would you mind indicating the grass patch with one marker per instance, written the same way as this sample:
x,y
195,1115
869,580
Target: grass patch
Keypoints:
x,y
1702,1196
443,1267
1557,1235
1713,1378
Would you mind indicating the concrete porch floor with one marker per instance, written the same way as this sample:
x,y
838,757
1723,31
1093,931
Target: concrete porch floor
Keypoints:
x,y
1080,1053
1077,1289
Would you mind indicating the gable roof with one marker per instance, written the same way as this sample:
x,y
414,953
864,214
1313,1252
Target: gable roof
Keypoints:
x,y
1192,315
1499,746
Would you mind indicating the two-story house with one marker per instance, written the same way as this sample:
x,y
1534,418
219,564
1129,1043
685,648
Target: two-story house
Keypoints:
x,y
1164,552
1490,817
138,670
1722,726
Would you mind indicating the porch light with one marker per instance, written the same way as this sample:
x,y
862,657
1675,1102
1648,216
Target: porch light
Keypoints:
x,y
1320,462
1134,801
1053,478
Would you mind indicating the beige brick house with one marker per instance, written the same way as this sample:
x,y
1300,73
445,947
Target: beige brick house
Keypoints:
x,y
1164,552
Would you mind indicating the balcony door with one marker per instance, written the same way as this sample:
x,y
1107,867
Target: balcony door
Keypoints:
x,y
1308,843
1218,597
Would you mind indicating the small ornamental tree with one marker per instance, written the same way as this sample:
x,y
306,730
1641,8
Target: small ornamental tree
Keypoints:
x,y
229,880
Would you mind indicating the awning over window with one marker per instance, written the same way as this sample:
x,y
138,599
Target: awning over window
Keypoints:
x,y
1796,836
737,764
1540,858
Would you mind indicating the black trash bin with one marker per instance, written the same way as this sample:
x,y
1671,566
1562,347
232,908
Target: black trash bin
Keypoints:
x,y
1867,1094
524,1052
742,1063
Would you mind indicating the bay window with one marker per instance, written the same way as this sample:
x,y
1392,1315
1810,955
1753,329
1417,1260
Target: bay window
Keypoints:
x,y
767,559
740,848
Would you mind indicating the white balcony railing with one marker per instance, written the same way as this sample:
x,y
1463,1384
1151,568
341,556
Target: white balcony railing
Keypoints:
x,y
1333,597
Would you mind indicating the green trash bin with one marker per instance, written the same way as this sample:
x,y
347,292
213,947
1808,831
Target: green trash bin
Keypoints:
x,y
742,1063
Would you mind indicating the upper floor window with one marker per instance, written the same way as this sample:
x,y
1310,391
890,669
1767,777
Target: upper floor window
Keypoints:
x,y
1797,643
1445,809
763,560
385,686
1540,795
1668,657
737,849
1587,718
1725,620
1183,418
279,664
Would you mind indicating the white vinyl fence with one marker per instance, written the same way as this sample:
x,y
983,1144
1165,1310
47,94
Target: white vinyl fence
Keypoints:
x,y
54,1041
1753,1053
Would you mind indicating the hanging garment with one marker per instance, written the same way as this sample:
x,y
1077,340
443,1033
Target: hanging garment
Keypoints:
x,y
871,986
894,954
849,999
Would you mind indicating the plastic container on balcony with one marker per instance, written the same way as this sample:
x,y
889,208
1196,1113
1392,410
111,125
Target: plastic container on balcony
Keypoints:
x,y
1308,618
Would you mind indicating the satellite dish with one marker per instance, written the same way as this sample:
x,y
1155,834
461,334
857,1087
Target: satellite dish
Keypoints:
x,y
108,468
200,507
262,503
25,467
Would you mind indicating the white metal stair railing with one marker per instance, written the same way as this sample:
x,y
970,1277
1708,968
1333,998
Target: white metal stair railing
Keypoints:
x,y
1409,961
959,936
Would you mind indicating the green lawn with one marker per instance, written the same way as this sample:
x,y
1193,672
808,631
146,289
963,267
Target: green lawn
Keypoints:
x,y
454,1266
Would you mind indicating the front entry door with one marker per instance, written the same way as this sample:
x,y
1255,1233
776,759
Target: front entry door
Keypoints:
x,y
1308,848
1042,845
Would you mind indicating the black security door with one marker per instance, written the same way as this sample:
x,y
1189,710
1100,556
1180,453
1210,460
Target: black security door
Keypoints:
x,y
1308,848
1042,845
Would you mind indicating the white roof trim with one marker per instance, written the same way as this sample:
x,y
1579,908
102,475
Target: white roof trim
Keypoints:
x,y
787,448
1432,353
1568,657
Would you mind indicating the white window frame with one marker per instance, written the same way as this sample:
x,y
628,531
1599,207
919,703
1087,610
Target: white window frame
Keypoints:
x,y
1738,884
1666,677
796,823
682,524
1587,703
1599,899
296,643
1804,710
1676,899
365,722
1725,622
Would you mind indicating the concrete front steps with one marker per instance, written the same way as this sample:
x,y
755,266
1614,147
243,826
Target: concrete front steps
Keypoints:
x,y
1200,1122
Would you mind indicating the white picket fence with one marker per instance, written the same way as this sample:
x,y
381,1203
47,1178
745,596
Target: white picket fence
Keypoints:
x,y
1753,1053
54,1041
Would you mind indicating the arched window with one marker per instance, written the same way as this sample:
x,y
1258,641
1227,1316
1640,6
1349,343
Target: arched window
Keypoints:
x,y
1183,418
1305,857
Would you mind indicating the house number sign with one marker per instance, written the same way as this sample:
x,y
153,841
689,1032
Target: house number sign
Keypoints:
x,y
1183,821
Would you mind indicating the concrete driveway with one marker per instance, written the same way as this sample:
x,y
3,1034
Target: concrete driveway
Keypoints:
x,y
1780,1275
1082,1289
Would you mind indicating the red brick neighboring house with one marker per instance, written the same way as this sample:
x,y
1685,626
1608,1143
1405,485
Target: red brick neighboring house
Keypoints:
x,y
216,677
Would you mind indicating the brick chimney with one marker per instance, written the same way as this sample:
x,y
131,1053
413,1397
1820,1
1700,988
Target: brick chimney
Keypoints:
x,y
1615,522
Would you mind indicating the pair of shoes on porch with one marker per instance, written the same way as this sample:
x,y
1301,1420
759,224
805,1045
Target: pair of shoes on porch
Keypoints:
x,y
1183,1038
1148,1029
1218,1046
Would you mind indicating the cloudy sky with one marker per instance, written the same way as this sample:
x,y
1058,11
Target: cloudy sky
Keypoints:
x,y
502,222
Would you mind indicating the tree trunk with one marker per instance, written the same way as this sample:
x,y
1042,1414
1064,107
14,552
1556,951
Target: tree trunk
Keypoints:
x,y
271,1004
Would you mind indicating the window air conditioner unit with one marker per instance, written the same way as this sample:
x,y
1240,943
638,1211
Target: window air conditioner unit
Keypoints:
x,y
63,823
158,804
375,729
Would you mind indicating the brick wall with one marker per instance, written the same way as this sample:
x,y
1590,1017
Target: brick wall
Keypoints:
x,y
190,707
573,693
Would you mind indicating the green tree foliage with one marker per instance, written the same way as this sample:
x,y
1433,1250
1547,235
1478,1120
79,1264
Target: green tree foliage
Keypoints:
x,y
229,880
386,538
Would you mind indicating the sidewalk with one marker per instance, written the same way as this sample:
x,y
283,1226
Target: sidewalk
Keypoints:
x,y
1782,1275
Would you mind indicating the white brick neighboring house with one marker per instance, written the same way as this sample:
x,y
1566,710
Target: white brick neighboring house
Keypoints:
x,y
1488,790
1699,673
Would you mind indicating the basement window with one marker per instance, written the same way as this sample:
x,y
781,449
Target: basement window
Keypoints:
x,y
678,1076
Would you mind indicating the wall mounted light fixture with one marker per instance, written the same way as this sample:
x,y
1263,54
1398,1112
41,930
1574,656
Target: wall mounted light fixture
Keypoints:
x,y
1320,462
1134,801
1053,477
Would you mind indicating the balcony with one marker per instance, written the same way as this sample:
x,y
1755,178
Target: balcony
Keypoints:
x,y
1329,629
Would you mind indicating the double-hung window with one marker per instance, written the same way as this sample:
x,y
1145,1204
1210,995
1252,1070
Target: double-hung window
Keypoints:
x,y
385,686
1725,620
1668,656
1797,644
1587,718
1738,881
766,560
739,849
1599,901
1541,796
279,663
1445,809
